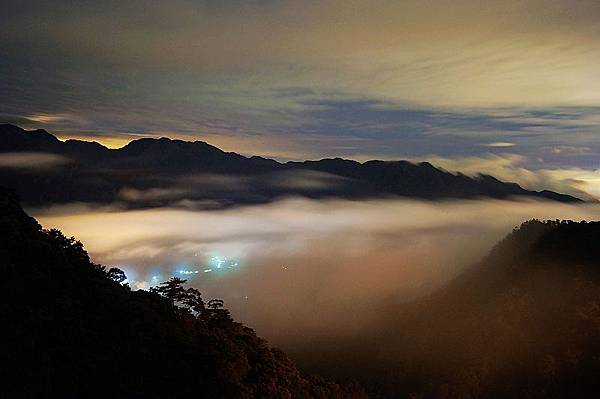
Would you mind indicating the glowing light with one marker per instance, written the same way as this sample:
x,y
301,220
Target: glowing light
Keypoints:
x,y
213,264
222,262
188,272
218,261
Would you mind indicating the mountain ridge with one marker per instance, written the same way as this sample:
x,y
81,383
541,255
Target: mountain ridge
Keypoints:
x,y
149,163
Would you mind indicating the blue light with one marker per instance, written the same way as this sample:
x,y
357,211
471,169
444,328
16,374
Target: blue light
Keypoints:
x,y
222,262
188,272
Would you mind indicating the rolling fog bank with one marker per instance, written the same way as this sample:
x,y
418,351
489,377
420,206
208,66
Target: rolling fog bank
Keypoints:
x,y
307,270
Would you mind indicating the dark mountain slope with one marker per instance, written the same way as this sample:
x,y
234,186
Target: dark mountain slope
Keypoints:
x,y
70,329
524,323
421,180
198,171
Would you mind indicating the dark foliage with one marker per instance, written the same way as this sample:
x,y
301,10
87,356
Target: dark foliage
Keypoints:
x,y
71,329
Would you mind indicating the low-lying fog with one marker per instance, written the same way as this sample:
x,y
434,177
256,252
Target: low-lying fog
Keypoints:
x,y
298,270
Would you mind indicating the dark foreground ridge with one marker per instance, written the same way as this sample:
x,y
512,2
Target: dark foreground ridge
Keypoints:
x,y
157,172
71,329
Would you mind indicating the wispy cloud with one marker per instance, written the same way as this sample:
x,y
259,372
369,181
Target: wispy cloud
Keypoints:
x,y
499,144
48,118
31,160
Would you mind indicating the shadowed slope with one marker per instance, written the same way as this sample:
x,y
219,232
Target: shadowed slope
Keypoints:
x,y
523,323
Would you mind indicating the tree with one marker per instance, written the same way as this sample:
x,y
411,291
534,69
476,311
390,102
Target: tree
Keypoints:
x,y
217,312
216,304
117,275
172,289
193,301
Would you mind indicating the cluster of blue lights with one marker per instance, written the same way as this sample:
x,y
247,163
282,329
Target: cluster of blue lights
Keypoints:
x,y
215,264
221,262
188,271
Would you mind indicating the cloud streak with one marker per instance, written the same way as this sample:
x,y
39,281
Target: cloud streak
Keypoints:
x,y
31,160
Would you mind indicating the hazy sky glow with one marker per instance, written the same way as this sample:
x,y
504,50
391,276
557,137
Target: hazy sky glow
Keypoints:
x,y
298,79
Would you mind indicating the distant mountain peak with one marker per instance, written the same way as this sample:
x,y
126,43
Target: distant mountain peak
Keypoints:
x,y
166,142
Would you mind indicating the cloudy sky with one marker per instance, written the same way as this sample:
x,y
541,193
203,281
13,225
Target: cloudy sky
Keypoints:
x,y
465,82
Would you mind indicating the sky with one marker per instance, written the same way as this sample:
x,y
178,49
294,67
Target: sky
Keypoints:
x,y
474,85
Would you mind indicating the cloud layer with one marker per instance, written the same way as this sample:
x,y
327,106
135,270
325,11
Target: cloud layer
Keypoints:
x,y
306,268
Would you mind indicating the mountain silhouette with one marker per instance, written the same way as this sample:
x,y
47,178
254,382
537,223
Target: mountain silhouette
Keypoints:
x,y
157,172
72,329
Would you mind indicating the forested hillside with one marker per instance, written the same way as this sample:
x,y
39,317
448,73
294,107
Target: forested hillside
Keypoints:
x,y
72,329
